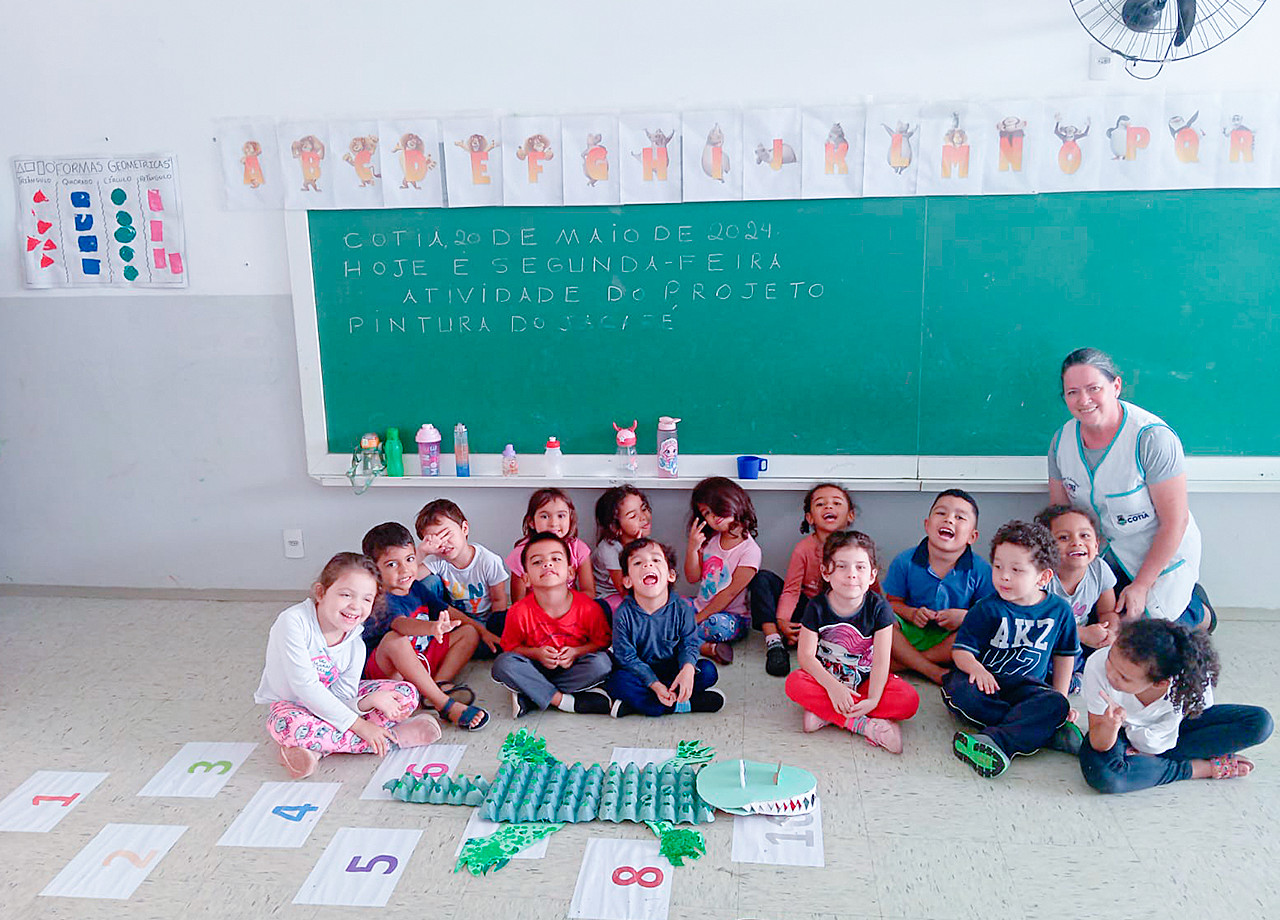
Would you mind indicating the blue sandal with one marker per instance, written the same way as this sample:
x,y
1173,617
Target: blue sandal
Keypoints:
x,y
464,721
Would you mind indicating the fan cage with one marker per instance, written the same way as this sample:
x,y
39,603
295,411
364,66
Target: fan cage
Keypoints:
x,y
1215,23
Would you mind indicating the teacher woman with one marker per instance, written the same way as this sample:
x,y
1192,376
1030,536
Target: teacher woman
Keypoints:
x,y
1127,466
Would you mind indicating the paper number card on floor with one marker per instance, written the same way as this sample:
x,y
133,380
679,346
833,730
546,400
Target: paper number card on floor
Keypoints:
x,y
45,799
622,880
792,841
114,863
434,760
280,815
199,770
641,757
359,868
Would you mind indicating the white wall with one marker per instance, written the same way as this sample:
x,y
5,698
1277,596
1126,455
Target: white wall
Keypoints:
x,y
153,440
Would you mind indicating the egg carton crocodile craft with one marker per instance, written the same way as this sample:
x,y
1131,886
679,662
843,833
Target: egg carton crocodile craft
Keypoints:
x,y
533,795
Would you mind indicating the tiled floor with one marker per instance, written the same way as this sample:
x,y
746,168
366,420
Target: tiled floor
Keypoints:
x,y
119,686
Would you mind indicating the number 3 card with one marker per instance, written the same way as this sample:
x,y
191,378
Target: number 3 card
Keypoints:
x,y
199,770
622,880
359,868
280,815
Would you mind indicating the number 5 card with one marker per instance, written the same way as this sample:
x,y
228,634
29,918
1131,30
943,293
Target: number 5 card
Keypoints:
x,y
359,868
280,815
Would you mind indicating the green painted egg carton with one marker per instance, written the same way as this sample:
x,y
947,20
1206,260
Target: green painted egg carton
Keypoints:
x,y
526,792
427,790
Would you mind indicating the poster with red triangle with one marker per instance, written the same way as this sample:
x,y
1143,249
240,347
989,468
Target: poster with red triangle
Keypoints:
x,y
100,221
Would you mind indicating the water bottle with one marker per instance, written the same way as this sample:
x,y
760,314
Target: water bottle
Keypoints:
x,y
428,439
510,464
393,450
627,460
554,459
461,451
668,448
366,463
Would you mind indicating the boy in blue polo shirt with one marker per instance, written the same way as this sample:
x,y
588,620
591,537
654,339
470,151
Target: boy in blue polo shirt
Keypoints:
x,y
932,586
1003,652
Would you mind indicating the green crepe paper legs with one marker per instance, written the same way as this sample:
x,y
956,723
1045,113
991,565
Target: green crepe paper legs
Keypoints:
x,y
480,854
524,747
678,843
690,752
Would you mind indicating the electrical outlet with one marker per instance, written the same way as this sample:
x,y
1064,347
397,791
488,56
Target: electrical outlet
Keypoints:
x,y
293,548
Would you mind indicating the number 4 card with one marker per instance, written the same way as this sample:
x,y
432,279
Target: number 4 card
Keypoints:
x,y
199,770
45,799
789,841
359,868
280,815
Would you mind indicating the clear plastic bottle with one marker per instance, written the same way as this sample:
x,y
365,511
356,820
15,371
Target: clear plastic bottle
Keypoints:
x,y
428,439
668,448
627,461
554,468
510,463
393,450
461,450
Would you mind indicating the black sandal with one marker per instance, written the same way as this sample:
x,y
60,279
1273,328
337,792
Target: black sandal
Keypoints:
x,y
460,692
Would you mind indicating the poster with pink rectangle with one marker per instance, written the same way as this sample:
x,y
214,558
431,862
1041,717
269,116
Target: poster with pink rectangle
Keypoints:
x,y
175,263
160,258
157,231
154,201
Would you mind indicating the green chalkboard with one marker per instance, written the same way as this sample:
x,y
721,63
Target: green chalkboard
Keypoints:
x,y
928,326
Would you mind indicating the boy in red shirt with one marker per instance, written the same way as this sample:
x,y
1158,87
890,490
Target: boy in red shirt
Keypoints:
x,y
555,639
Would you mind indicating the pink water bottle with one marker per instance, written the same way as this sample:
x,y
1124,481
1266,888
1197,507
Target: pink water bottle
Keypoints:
x,y
428,438
668,448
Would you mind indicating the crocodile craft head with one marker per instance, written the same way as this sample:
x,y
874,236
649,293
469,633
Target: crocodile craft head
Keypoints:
x,y
745,787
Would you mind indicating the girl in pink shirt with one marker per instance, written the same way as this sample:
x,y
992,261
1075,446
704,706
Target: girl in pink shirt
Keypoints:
x,y
721,558
552,511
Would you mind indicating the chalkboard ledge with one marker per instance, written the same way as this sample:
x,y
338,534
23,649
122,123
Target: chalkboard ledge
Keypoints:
x,y
792,472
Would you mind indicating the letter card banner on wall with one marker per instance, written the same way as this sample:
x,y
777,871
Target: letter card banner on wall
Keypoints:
x,y
963,147
100,221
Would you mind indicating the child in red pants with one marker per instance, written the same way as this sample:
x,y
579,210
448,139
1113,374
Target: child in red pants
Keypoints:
x,y
846,636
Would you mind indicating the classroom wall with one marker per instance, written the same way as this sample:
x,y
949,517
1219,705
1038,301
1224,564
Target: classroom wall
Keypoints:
x,y
155,440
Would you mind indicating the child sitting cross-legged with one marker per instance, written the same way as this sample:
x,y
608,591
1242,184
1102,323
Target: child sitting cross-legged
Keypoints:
x,y
1003,652
655,641
415,638
555,639
846,634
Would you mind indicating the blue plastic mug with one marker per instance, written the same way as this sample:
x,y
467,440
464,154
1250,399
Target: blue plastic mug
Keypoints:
x,y
751,467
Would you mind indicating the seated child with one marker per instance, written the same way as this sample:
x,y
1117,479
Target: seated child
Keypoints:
x,y
723,565
1082,579
555,639
552,511
622,515
846,639
777,604
1002,654
475,579
1152,719
311,678
932,586
655,641
415,639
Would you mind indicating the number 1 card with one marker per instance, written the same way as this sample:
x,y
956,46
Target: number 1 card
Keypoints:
x,y
45,799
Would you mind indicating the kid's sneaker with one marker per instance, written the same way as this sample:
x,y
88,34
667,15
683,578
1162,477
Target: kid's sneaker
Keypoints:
x,y
980,752
1067,738
520,704
594,701
777,663
709,700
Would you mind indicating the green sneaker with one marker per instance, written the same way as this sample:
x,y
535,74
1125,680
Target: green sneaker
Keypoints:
x,y
981,753
1067,738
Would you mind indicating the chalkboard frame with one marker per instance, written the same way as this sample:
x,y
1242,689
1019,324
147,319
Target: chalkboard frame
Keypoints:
x,y
787,472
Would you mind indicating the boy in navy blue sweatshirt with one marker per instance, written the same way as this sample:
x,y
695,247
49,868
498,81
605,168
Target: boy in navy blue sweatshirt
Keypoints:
x,y
655,641
1002,654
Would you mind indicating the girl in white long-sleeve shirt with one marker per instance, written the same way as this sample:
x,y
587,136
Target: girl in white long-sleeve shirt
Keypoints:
x,y
319,705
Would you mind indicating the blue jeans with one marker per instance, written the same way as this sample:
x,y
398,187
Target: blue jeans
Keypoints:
x,y
1020,717
631,689
1217,731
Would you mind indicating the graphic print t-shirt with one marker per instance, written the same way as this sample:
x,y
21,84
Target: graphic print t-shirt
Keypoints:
x,y
845,643
468,589
718,565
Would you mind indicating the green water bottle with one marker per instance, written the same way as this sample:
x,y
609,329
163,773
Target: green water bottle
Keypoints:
x,y
393,450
